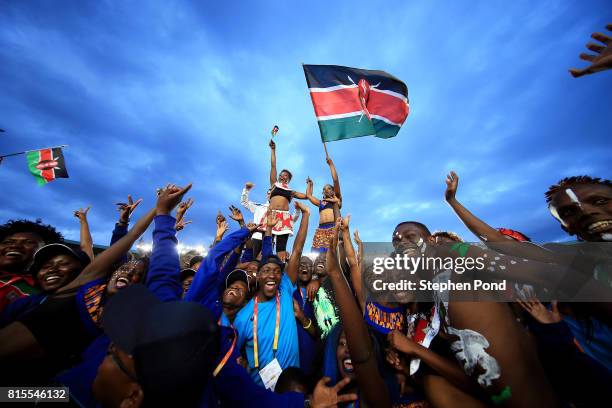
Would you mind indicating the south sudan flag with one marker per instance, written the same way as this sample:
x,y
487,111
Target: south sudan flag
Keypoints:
x,y
352,102
47,164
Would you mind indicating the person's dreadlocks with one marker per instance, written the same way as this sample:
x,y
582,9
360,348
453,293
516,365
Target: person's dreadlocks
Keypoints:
x,y
48,233
572,181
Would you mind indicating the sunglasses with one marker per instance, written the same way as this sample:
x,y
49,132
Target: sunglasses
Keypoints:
x,y
112,351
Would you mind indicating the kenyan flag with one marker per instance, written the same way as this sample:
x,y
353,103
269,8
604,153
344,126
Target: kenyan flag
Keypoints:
x,y
352,102
47,164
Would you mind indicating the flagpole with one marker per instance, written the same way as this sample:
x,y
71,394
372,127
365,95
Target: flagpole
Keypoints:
x,y
326,153
27,151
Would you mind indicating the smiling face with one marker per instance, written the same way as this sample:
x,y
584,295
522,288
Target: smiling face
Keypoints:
x,y
17,250
268,279
305,270
235,295
345,364
584,210
328,191
284,177
123,277
320,266
57,271
409,239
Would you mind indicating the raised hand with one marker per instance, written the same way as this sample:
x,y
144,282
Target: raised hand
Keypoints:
x,y
81,214
126,209
452,182
249,185
358,240
329,161
252,226
183,207
272,145
302,207
297,312
309,182
327,397
601,60
271,219
345,223
539,312
236,215
220,218
169,198
180,224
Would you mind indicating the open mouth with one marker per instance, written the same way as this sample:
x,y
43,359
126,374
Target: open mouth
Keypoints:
x,y
50,279
600,226
270,285
347,364
122,282
13,254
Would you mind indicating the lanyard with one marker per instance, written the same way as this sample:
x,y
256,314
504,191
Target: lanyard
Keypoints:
x,y
228,354
276,330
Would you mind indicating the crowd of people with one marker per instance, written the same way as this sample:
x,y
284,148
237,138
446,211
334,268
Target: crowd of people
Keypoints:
x,y
256,323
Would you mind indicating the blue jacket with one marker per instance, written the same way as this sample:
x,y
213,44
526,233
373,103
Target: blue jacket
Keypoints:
x,y
162,279
209,282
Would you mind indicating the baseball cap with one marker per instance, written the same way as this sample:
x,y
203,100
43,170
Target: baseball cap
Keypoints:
x,y
238,275
48,251
272,259
185,273
174,344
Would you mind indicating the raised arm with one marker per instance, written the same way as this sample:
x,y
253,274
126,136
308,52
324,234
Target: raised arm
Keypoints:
x,y
309,195
298,245
481,229
86,243
244,197
334,175
353,262
163,275
272,162
371,384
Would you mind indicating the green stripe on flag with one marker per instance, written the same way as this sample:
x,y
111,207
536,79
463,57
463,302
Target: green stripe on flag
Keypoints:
x,y
33,160
347,128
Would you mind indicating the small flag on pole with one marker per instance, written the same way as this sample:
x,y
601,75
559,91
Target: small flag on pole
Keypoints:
x,y
274,130
353,102
47,164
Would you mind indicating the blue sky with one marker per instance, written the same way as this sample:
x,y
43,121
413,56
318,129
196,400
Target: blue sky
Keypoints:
x,y
146,93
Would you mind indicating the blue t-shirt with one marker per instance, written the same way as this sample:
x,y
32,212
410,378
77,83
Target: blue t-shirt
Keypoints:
x,y
288,354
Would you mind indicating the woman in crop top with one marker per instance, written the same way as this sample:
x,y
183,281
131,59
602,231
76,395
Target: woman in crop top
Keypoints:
x,y
329,210
280,197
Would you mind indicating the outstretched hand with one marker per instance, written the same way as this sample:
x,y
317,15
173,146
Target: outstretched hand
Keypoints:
x,y
170,197
358,240
302,207
81,214
452,182
271,219
236,215
272,144
180,224
249,185
327,397
601,60
126,209
539,312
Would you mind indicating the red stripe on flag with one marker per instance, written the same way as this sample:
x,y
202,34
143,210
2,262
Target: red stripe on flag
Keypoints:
x,y
47,154
388,106
336,102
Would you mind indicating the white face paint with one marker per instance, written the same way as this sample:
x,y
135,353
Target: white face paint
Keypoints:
x,y
553,211
570,193
470,351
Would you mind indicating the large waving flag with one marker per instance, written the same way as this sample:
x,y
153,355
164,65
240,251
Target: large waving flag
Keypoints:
x,y
47,164
353,102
